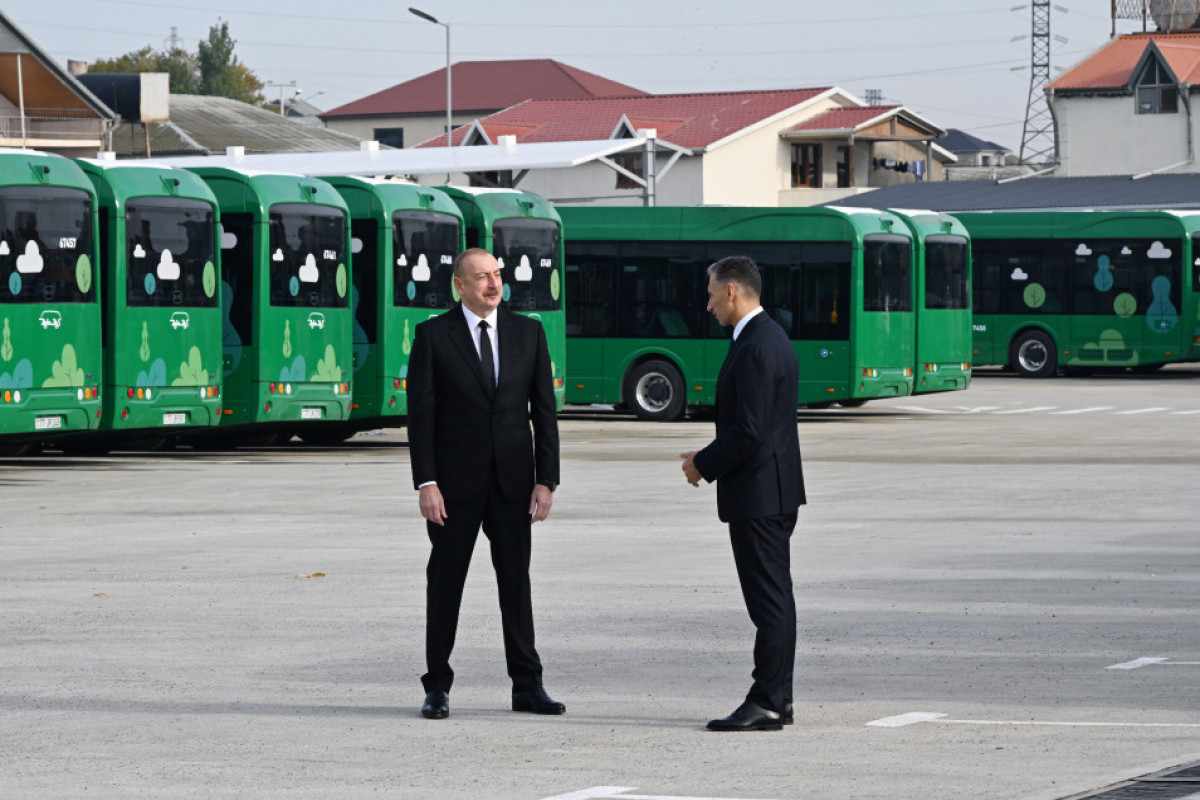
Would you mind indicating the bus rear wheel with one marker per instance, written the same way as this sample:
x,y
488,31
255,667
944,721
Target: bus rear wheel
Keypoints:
x,y
1034,355
655,391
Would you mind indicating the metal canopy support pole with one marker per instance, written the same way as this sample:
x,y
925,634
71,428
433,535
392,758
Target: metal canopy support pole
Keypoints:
x,y
650,187
21,100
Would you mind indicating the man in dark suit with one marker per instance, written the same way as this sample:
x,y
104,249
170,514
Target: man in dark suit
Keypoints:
x,y
755,461
483,439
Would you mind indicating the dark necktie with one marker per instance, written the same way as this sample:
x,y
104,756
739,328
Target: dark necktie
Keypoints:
x,y
485,355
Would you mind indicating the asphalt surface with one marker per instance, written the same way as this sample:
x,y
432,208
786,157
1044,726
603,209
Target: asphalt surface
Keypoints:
x,y
250,623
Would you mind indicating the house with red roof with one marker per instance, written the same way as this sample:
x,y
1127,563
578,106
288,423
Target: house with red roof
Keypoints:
x,y
783,147
1128,108
409,113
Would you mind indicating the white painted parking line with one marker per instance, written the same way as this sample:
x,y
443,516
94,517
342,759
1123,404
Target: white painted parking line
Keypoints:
x,y
1137,663
1185,413
1150,410
1084,410
924,410
618,793
976,409
1029,410
915,717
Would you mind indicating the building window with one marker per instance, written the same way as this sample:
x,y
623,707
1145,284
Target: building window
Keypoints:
x,y
845,167
806,165
392,137
1156,92
633,163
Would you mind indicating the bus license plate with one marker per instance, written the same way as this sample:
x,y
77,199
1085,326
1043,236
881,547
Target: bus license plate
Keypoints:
x,y
174,419
47,423
310,413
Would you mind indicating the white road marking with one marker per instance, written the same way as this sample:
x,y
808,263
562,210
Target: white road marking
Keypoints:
x,y
924,716
618,793
1183,413
1136,663
924,410
1028,410
1146,410
1084,410
977,410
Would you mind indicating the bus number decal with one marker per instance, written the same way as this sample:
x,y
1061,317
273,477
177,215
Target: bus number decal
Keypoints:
x,y
979,328
447,259
66,243
547,262
331,255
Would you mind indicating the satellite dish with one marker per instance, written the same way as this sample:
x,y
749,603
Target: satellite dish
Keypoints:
x,y
1172,16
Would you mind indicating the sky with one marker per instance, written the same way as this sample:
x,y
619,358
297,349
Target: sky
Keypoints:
x,y
959,63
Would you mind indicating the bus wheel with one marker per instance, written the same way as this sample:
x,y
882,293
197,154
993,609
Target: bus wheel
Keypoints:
x,y
655,391
1034,355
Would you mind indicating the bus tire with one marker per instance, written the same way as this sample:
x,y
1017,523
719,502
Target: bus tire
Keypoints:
x,y
1033,355
655,391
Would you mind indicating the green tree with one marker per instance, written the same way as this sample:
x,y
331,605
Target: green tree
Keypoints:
x,y
221,73
213,69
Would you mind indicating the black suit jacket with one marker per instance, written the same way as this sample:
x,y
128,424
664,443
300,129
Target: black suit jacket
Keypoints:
x,y
458,429
755,458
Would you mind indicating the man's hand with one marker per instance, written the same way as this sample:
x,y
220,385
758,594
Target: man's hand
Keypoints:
x,y
689,468
433,507
540,503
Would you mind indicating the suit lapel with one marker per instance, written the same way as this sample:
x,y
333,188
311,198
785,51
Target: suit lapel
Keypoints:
x,y
464,341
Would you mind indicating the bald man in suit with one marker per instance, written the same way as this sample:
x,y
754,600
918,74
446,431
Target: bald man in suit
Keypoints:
x,y
483,440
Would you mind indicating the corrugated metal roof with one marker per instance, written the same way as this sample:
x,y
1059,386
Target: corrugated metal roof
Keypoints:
x,y
1120,191
485,86
201,125
693,120
1112,66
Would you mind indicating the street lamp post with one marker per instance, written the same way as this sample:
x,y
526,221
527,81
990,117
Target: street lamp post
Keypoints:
x,y
446,25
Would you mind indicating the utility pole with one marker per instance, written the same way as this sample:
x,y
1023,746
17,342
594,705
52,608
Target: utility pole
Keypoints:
x,y
1037,140
282,99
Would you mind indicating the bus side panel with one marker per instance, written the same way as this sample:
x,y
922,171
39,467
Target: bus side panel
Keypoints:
x,y
586,381
824,371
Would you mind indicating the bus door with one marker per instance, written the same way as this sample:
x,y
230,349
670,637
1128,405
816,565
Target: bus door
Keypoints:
x,y
591,277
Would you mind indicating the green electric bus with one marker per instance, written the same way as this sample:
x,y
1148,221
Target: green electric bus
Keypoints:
x,y
524,232
1084,290
285,302
160,302
942,301
839,281
404,239
50,358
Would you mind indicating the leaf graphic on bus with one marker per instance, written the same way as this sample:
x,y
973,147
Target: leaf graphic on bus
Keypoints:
x,y
20,378
144,350
327,369
83,273
1125,305
6,349
65,372
155,376
192,371
287,339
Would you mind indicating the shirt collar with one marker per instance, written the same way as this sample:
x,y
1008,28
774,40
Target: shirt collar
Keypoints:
x,y
737,330
473,318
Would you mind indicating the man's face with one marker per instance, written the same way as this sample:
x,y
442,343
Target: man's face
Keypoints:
x,y
720,301
480,284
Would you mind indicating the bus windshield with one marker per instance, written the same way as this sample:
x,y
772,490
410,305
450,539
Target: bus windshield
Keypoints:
x,y
46,253
946,283
308,256
887,280
425,245
170,253
528,252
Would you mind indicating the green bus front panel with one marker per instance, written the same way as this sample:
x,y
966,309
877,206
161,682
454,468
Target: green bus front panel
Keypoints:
x,y
285,299
51,368
525,234
1112,289
162,343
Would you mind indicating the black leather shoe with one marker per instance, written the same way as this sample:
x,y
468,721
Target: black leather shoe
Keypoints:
x,y
788,716
437,705
536,701
748,717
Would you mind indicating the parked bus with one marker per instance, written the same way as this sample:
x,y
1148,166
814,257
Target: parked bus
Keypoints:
x,y
942,271
50,357
524,232
160,302
404,239
1084,289
839,281
285,302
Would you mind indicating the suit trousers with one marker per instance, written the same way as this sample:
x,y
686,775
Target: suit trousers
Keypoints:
x,y
507,526
762,553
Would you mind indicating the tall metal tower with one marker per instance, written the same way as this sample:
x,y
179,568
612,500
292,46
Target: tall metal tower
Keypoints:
x,y
1037,140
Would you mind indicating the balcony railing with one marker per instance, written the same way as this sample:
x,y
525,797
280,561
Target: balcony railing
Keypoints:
x,y
51,124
